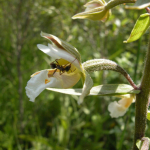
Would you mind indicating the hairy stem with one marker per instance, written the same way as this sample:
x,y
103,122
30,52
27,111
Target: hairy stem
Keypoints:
x,y
142,102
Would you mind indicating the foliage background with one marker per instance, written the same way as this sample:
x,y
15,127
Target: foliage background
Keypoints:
x,y
55,121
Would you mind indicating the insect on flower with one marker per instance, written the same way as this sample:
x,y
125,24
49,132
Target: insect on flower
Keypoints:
x,y
61,68
66,69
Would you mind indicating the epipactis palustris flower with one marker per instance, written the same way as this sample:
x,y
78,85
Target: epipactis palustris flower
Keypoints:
x,y
119,108
65,55
95,10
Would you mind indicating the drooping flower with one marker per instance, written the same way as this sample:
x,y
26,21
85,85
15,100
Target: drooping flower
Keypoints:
x,y
95,10
67,69
119,108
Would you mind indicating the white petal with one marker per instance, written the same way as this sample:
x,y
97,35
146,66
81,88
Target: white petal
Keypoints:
x,y
37,84
116,110
65,55
120,108
47,51
57,53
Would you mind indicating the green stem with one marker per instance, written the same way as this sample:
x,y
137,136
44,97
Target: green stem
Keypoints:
x,y
137,59
114,3
141,104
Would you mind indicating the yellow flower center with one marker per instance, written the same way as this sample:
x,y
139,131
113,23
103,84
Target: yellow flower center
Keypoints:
x,y
64,66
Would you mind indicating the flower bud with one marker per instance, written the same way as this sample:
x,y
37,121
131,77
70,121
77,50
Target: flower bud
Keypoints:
x,y
95,10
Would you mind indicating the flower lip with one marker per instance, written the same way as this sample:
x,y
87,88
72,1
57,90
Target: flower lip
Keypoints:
x,y
39,82
48,79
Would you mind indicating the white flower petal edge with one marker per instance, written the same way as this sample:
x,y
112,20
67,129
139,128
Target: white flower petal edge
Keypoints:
x,y
119,109
58,53
39,82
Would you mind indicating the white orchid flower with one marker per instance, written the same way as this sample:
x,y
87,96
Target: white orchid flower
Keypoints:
x,y
119,108
64,55
95,10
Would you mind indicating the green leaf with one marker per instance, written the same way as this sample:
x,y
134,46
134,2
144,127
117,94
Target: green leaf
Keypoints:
x,y
140,4
140,27
37,139
101,90
148,115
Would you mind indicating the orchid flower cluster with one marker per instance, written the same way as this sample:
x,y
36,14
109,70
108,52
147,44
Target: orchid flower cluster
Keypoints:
x,y
67,68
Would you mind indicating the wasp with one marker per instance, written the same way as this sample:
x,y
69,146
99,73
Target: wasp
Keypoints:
x,y
62,68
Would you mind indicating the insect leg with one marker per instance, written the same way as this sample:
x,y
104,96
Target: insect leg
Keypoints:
x,y
56,61
73,70
62,71
54,71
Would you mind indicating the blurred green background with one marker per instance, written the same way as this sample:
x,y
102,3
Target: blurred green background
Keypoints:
x,y
55,121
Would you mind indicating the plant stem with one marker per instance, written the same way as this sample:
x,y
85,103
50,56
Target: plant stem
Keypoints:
x,y
137,59
114,3
141,104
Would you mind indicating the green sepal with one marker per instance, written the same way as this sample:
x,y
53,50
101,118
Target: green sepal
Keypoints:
x,y
101,90
63,45
139,4
83,76
140,28
88,84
